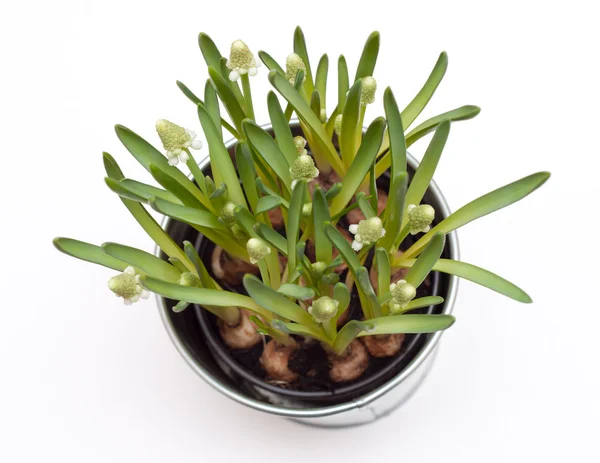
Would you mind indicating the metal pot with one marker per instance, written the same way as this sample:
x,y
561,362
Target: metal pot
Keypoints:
x,y
184,330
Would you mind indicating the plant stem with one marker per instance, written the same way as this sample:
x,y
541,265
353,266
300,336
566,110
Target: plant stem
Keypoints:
x,y
264,272
247,96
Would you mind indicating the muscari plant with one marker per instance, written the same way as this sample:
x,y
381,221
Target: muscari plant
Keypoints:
x,y
313,192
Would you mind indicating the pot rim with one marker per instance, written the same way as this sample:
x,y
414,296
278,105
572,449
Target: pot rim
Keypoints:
x,y
317,412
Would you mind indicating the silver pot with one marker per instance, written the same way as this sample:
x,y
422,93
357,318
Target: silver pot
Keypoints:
x,y
375,404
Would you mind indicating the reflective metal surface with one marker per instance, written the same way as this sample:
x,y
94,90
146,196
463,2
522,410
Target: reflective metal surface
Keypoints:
x,y
376,404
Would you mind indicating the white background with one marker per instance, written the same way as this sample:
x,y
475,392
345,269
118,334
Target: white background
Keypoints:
x,y
86,379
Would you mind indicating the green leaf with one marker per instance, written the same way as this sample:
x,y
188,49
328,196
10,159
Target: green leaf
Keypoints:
x,y
220,160
395,133
212,104
271,64
117,188
300,50
275,302
281,128
477,275
366,65
209,50
424,174
227,96
266,203
202,272
112,168
189,94
360,165
346,335
414,108
421,302
321,78
293,224
320,209
178,264
272,237
342,295
364,205
266,147
308,117
296,292
315,103
142,260
364,284
482,206
148,191
180,306
146,155
313,331
395,210
383,270
88,252
333,191
396,324
247,173
425,262
170,183
350,124
344,248
343,83
187,214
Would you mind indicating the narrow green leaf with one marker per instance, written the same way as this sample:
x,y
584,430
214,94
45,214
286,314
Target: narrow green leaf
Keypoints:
x,y
293,224
88,252
211,104
220,160
266,203
364,205
227,96
333,191
272,237
112,168
148,191
315,103
395,133
383,270
477,275
344,248
321,78
170,183
364,283
142,260
300,50
360,165
209,50
425,262
275,302
368,59
320,209
296,292
281,128
342,295
266,147
271,64
424,174
396,324
395,211
201,270
178,264
187,214
350,124
414,108
245,166
482,206
343,83
189,94
119,189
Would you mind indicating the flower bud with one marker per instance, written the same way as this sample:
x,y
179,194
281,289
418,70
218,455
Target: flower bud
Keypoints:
x,y
369,87
126,285
257,249
323,309
307,210
189,279
176,140
300,145
317,269
303,168
420,218
367,232
323,115
293,64
402,293
227,214
241,61
337,127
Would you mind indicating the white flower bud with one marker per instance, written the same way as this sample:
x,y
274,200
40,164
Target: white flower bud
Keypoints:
x,y
257,249
307,209
241,61
303,168
369,87
126,285
189,279
323,309
420,218
366,232
227,214
293,64
176,140
402,293
337,126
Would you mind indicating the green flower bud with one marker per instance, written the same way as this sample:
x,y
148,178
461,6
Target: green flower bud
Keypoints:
x,y
317,269
303,168
337,126
307,210
293,64
189,279
402,293
126,285
238,232
323,115
369,87
330,279
367,232
227,214
300,145
323,309
257,249
420,218
241,61
172,136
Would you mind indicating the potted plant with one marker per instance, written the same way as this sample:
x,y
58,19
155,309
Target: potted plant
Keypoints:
x,y
307,267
